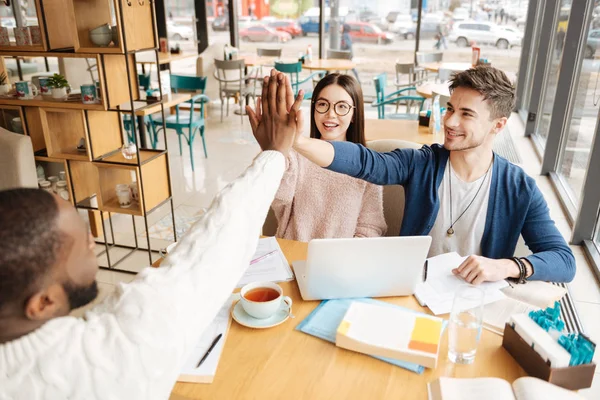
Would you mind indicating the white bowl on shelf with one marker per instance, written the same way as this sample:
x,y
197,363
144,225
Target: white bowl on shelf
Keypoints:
x,y
101,36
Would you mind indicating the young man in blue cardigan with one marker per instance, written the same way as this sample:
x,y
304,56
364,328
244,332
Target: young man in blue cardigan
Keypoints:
x,y
465,196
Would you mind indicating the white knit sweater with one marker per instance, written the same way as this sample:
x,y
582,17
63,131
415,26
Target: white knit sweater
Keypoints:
x,y
132,345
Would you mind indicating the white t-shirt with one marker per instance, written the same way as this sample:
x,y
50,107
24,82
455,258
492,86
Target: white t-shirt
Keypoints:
x,y
468,230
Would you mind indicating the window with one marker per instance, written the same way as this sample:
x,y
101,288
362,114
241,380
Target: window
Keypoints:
x,y
597,235
368,29
579,133
482,27
551,79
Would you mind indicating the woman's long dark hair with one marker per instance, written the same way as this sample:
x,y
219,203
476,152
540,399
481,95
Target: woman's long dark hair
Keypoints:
x,y
356,129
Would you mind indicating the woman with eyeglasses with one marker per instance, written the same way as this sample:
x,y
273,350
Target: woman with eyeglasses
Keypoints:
x,y
313,202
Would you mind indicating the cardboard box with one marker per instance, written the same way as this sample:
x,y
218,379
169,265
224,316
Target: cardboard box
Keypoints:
x,y
573,378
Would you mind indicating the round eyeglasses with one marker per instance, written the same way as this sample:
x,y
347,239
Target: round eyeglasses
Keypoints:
x,y
341,108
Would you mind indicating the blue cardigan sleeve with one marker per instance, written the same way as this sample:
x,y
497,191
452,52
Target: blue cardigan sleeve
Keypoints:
x,y
392,168
552,258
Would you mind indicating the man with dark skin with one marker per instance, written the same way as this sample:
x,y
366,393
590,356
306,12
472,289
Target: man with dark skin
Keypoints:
x,y
133,344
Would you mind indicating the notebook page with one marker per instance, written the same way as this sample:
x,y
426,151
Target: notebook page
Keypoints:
x,y
475,389
528,388
537,293
496,315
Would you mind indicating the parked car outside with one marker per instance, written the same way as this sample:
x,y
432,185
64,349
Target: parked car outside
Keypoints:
x,y
366,32
287,25
402,23
593,43
222,23
311,25
178,31
464,33
428,31
262,33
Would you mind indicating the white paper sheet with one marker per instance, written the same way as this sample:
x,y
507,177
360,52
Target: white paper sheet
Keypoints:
x,y
437,292
206,372
274,268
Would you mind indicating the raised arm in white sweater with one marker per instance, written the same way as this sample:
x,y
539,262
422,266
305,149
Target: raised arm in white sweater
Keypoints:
x,y
132,345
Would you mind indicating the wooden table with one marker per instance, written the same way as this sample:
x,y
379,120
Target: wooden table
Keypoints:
x,y
169,101
426,90
254,60
282,363
436,66
163,58
411,131
331,64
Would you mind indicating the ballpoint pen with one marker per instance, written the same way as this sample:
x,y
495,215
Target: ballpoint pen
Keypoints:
x,y
262,257
212,346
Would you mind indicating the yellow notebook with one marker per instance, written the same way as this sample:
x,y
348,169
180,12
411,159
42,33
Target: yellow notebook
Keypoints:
x,y
385,331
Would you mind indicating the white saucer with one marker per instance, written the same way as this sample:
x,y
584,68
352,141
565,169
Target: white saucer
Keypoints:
x,y
242,318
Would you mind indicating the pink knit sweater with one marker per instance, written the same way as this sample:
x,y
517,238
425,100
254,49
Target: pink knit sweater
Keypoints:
x,y
314,203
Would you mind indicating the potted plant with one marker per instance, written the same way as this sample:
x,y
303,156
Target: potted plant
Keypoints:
x,y
4,85
60,86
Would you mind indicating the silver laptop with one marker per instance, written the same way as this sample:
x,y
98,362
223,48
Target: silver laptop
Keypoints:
x,y
362,267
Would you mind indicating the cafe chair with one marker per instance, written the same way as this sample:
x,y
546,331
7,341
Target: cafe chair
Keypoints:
x,y
402,95
293,70
393,195
144,82
192,121
16,161
234,82
408,75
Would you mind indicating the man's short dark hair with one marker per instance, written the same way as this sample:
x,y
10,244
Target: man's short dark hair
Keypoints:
x,y
30,240
492,84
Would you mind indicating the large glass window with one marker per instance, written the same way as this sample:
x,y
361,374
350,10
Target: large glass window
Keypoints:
x,y
496,27
551,79
579,135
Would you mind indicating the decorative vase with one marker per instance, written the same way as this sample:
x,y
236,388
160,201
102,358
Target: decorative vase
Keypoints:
x,y
5,89
101,36
59,93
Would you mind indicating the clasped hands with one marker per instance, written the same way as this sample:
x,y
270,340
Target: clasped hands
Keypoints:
x,y
276,121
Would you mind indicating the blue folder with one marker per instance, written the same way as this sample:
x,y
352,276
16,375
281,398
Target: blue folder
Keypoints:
x,y
325,319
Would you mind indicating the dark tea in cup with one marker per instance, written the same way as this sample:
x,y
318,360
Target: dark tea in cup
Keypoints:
x,y
261,294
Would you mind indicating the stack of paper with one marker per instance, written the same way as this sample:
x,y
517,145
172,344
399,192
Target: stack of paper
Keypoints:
x,y
391,332
325,319
205,373
272,268
437,292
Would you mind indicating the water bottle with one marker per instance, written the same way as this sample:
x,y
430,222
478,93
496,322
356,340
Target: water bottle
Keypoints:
x,y
308,57
435,122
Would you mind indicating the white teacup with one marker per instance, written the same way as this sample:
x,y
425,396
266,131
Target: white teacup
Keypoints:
x,y
263,299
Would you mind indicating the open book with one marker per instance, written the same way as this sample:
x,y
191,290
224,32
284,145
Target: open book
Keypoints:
x,y
520,299
526,388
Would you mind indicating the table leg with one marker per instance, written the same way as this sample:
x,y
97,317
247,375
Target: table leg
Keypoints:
x,y
142,132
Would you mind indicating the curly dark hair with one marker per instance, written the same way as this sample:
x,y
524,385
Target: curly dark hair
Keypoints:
x,y
492,84
31,243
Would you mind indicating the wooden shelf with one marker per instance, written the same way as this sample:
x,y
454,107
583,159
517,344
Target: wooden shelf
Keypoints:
x,y
62,131
155,190
145,156
52,166
138,29
113,206
7,114
40,102
24,49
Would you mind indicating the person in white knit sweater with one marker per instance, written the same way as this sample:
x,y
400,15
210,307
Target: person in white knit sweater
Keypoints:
x,y
133,344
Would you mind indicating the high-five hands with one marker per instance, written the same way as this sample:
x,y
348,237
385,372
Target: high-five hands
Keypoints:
x,y
277,119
